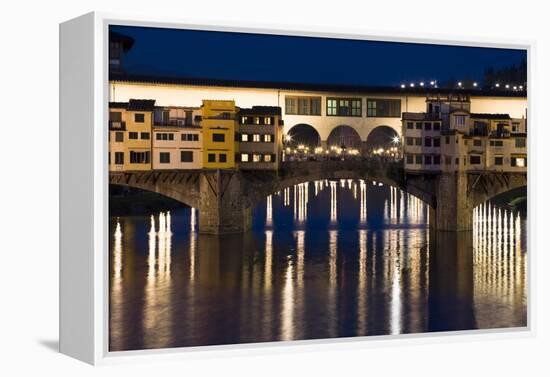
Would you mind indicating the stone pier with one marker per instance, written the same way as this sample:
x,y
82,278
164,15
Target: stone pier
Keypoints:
x,y
222,207
453,210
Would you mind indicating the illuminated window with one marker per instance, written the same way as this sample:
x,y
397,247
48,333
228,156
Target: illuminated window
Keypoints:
x,y
256,157
291,105
256,137
244,137
519,162
267,121
244,157
303,105
267,158
268,138
460,120
331,107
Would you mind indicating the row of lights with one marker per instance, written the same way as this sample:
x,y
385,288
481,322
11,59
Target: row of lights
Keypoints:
x,y
319,150
460,84
422,84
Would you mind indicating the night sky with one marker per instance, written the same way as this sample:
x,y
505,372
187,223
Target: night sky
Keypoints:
x,y
240,56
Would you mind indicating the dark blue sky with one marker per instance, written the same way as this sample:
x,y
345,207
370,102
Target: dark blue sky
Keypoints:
x,y
240,56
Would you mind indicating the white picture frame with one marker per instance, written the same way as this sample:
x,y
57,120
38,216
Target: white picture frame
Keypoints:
x,y
84,193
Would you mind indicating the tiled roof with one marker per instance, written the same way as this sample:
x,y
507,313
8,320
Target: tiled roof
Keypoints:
x,y
489,116
194,81
261,110
141,105
420,116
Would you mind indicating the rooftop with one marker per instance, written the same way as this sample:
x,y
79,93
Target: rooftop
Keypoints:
x,y
489,116
195,81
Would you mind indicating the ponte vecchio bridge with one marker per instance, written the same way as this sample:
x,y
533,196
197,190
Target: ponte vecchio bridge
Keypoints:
x,y
225,198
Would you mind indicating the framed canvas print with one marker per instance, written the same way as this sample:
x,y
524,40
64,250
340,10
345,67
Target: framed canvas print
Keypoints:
x,y
236,188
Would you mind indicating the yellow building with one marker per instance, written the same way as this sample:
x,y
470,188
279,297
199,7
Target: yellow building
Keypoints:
x,y
130,129
218,125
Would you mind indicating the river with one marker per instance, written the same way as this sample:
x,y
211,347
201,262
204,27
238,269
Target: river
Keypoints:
x,y
324,259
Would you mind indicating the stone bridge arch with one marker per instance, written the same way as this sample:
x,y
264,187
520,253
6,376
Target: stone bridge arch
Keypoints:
x,y
382,136
302,133
180,186
485,186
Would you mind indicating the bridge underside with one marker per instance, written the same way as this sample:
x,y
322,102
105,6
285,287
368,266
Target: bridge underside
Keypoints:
x,y
225,198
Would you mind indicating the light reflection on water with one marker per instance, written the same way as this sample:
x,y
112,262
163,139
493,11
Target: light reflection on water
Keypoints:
x,y
342,259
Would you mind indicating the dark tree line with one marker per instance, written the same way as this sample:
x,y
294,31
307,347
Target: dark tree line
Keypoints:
x,y
513,75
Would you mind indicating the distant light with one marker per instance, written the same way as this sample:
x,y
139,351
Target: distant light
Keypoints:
x,y
507,86
497,85
412,84
475,84
421,83
460,83
521,87
288,137
432,83
395,140
515,88
402,86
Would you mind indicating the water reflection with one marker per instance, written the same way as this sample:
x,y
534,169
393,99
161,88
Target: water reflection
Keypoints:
x,y
345,261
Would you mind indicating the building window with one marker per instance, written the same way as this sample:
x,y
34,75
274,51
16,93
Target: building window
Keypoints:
x,y
515,127
223,157
267,158
145,136
447,160
140,157
139,118
418,159
119,137
164,157
119,158
219,138
244,157
164,136
384,108
418,125
291,105
268,121
186,156
437,159
428,142
268,138
256,157
496,143
447,139
418,141
428,126
475,160
244,137
427,160
257,120
211,157
519,162
410,141
410,159
520,143
460,120
499,160
303,105
344,107
190,137
132,135
256,137
465,142
478,142
115,116
437,126
410,125
437,142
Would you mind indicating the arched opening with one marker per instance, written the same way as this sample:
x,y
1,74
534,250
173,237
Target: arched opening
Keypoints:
x,y
383,141
124,200
344,137
300,142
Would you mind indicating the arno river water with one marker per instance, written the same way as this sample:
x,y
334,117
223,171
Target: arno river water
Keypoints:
x,y
325,259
